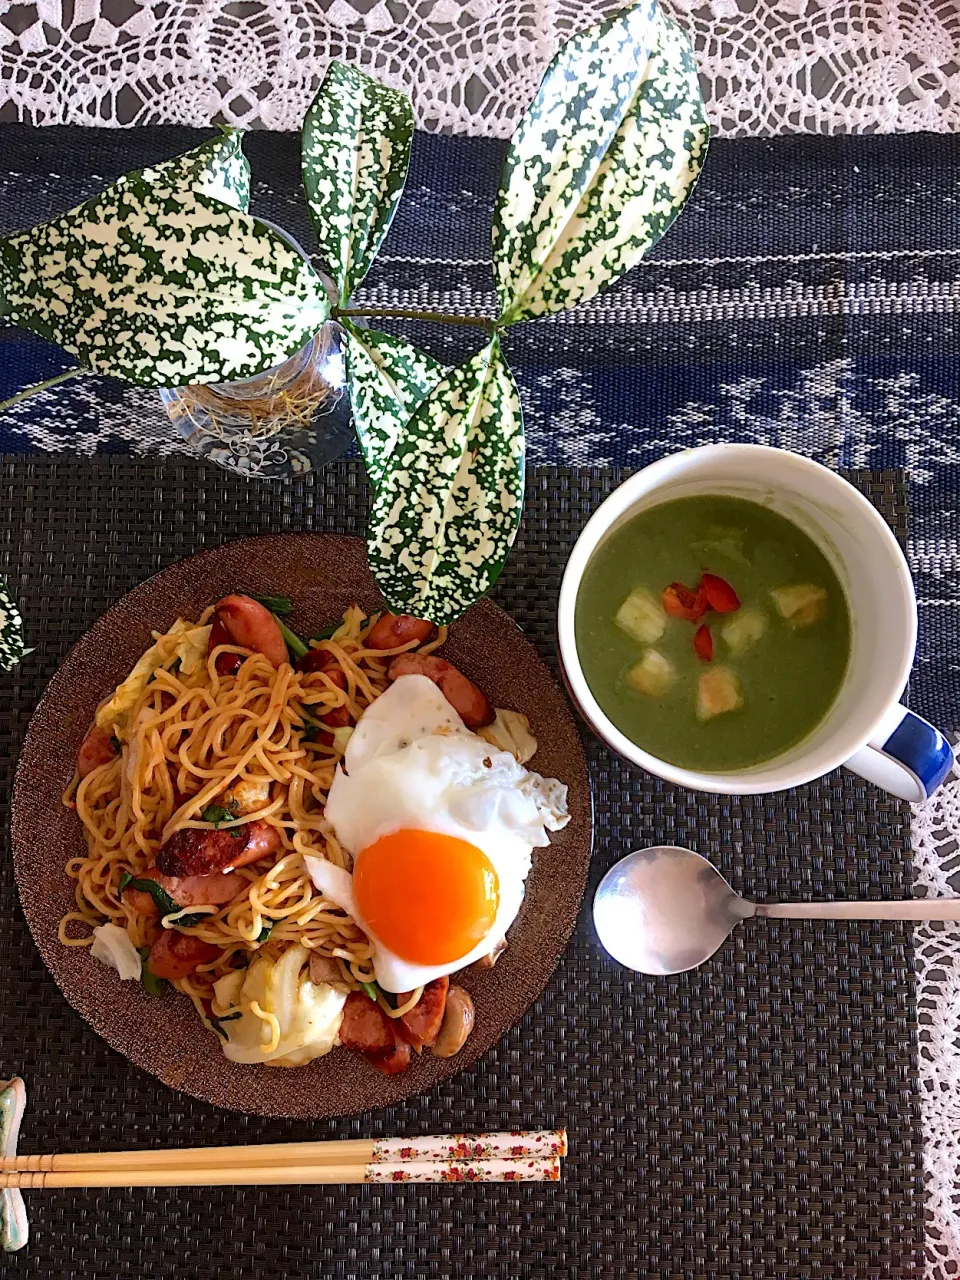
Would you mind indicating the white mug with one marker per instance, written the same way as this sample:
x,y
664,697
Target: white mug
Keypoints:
x,y
866,729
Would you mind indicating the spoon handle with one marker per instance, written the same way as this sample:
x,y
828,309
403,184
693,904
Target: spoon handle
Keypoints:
x,y
910,909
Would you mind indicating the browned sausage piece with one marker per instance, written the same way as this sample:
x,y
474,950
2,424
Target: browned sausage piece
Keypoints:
x,y
262,840
227,664
97,748
313,660
200,851
250,626
391,1061
421,1024
186,891
471,705
336,717
176,955
394,629
365,1027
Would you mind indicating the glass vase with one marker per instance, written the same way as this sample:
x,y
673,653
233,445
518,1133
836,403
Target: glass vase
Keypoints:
x,y
290,419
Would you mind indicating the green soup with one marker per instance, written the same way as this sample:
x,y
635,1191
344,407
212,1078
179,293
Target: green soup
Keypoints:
x,y
713,632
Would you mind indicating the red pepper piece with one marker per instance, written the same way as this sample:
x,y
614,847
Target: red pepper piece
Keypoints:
x,y
703,643
721,597
680,601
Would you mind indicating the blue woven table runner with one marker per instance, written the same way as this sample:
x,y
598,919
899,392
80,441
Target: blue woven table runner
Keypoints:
x,y
807,298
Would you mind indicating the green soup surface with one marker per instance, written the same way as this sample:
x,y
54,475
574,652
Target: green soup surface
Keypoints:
x,y
713,632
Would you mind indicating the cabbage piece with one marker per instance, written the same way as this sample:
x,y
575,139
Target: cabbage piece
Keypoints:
x,y
183,641
510,731
309,1014
112,947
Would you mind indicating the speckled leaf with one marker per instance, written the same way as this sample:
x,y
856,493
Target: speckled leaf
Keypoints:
x,y
450,498
217,169
162,286
388,379
603,161
355,151
12,644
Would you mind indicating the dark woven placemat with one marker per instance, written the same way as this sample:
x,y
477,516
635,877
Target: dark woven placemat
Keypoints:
x,y
756,1118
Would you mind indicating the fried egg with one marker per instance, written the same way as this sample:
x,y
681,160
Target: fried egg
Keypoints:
x,y
441,827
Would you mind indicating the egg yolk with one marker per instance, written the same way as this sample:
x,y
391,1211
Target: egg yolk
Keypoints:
x,y
429,897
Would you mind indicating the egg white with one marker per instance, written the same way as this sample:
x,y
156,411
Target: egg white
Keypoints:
x,y
411,764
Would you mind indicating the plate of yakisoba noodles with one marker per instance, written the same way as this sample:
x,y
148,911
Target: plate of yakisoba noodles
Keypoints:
x,y
289,852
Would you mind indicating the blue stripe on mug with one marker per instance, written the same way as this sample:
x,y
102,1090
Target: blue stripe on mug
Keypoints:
x,y
922,749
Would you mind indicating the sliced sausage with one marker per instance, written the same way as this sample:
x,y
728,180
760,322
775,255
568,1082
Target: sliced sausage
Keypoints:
x,y
200,851
262,840
186,891
250,626
471,705
365,1027
176,955
318,660
394,629
141,901
313,660
393,1060
421,1024
458,1019
97,748
198,891
227,664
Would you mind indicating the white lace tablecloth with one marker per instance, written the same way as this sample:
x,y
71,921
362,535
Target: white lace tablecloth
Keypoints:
x,y
768,66
936,850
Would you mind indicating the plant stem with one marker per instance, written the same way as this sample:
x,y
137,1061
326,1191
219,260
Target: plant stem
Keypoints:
x,y
400,313
37,387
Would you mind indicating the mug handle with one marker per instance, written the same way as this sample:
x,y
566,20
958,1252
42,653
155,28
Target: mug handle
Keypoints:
x,y
906,756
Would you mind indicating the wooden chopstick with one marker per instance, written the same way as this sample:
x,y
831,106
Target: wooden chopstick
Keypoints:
x,y
493,1170
531,1144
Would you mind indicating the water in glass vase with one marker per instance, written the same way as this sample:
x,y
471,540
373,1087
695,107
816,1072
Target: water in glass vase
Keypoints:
x,y
290,419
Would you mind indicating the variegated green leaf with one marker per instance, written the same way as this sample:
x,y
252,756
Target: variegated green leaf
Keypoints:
x,y
162,286
388,379
450,498
12,645
217,169
355,152
603,161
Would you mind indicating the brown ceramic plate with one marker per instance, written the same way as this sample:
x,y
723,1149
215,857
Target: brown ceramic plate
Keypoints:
x,y
322,574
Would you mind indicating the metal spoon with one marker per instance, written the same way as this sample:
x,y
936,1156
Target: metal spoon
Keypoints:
x,y
666,910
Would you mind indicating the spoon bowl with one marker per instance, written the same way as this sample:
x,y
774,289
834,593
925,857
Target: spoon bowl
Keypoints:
x,y
666,910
